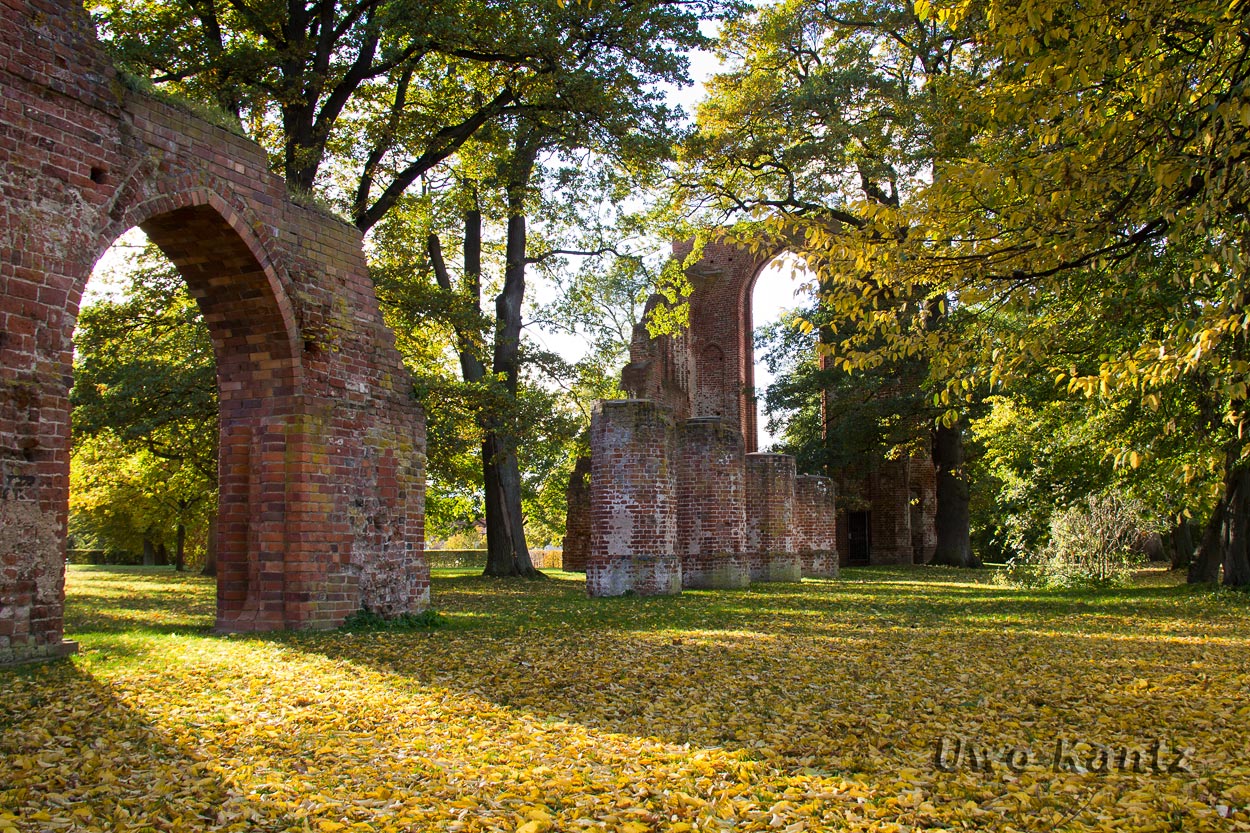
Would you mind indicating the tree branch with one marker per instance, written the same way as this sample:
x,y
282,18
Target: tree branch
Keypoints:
x,y
443,144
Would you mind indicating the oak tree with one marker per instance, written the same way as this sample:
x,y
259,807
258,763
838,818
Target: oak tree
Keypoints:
x,y
833,111
1104,173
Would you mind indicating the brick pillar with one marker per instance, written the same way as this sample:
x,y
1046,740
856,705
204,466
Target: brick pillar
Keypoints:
x,y
891,514
711,504
576,544
816,523
633,508
321,508
770,538
923,479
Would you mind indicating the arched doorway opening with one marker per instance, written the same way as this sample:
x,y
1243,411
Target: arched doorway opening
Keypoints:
x,y
781,288
249,326
143,466
872,480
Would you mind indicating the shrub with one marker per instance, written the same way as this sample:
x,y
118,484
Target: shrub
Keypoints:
x,y
363,621
1092,544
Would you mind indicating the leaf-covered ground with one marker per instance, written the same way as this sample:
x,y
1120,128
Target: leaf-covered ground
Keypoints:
x,y
817,706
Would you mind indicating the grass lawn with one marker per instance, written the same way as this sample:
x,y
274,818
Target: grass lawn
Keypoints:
x,y
819,706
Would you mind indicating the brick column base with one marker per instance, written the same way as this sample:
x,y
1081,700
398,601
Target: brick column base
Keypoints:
x,y
716,571
37,653
633,510
820,564
776,566
642,575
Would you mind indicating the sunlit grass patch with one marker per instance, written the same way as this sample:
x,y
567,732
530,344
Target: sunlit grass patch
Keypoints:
x,y
153,599
813,706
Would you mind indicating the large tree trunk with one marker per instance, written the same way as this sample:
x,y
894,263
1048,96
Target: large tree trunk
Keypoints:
x,y
210,549
1237,539
180,547
1226,540
149,552
954,541
508,554
1205,568
1182,545
506,551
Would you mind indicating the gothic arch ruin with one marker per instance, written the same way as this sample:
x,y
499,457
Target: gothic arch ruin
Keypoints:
x,y
738,515
322,446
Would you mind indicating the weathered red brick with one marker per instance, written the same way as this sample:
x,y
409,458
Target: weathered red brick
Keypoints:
x,y
261,268
707,372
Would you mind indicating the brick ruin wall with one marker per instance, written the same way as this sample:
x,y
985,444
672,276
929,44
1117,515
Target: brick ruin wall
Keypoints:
x,y
889,485
771,542
677,507
711,505
633,500
704,377
575,548
900,499
815,524
322,447
708,370
922,484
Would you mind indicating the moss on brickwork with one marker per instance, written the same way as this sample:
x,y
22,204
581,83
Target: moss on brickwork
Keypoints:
x,y
204,111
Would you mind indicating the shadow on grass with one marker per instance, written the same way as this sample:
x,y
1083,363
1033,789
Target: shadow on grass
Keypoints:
x,y
859,676
898,596
155,600
78,757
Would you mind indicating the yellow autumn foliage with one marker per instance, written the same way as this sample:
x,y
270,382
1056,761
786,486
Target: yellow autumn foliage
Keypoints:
x,y
783,708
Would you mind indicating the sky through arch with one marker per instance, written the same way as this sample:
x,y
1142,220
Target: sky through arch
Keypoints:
x,y
777,290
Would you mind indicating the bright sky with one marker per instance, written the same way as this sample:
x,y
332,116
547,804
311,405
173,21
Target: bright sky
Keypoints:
x,y
775,293
105,281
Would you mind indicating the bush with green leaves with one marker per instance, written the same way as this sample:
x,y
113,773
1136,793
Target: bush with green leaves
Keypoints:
x,y
1094,543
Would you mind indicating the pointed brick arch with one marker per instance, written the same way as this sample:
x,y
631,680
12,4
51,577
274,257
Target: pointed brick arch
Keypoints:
x,y
253,331
213,236
322,445
259,380
718,344
706,373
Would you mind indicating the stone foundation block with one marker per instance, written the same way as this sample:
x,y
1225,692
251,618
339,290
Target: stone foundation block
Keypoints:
x,y
643,575
776,566
820,564
719,571
36,653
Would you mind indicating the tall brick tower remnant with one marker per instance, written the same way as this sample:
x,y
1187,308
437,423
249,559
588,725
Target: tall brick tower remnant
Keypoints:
x,y
739,516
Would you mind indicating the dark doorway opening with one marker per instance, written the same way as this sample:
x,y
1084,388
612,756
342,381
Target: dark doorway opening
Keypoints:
x,y
858,537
